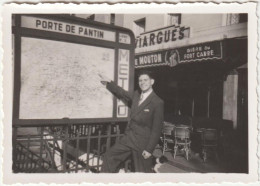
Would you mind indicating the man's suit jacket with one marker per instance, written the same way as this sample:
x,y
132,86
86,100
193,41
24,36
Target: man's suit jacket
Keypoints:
x,y
146,120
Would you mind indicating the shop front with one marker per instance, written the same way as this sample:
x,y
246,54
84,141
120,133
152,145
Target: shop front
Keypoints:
x,y
191,79
207,83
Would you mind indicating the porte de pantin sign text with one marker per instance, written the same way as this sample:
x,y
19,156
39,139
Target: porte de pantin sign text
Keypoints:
x,y
56,26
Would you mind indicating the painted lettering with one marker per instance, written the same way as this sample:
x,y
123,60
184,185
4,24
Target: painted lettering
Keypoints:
x,y
38,23
123,70
152,36
174,34
181,33
167,36
80,30
159,37
124,54
150,59
122,80
145,42
50,25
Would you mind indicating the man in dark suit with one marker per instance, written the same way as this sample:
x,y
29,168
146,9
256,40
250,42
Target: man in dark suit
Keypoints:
x,y
143,129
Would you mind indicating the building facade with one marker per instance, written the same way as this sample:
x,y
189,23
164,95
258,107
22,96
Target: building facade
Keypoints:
x,y
208,77
200,65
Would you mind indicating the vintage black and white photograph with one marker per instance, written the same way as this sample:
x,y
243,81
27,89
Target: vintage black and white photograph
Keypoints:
x,y
97,93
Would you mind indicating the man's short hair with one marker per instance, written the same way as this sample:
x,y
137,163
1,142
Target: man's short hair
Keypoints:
x,y
146,72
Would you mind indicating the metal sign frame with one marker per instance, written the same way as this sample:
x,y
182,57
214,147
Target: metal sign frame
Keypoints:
x,y
19,32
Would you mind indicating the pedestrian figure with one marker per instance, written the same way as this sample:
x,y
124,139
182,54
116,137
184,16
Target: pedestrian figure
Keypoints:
x,y
143,129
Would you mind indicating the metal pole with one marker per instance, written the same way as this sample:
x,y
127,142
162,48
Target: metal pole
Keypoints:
x,y
64,148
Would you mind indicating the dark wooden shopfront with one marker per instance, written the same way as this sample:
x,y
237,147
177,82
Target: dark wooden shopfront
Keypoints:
x,y
195,88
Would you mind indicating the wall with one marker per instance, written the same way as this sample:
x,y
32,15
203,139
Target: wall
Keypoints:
x,y
197,22
104,18
119,19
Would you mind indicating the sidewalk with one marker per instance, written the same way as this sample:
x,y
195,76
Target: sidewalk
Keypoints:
x,y
194,164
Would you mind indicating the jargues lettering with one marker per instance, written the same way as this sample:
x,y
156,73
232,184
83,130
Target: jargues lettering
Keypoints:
x,y
164,36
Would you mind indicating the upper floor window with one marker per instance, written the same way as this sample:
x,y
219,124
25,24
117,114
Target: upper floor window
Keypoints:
x,y
112,19
91,17
139,26
236,18
173,19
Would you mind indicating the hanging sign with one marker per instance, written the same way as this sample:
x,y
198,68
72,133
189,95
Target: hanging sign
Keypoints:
x,y
173,57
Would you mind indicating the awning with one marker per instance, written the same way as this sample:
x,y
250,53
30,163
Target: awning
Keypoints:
x,y
227,53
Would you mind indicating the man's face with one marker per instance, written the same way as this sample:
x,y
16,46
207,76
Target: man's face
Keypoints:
x,y
145,83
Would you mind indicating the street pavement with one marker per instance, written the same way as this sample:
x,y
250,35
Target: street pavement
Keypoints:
x,y
181,165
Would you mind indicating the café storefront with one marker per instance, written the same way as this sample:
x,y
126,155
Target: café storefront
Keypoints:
x,y
206,82
191,79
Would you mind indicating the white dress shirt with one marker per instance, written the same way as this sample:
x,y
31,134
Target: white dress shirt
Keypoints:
x,y
144,95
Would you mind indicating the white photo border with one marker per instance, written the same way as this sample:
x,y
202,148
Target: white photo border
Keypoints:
x,y
7,80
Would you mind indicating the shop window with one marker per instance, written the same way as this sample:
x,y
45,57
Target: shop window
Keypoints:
x,y
139,26
173,19
236,18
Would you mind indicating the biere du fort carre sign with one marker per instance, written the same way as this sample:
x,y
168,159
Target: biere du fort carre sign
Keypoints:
x,y
175,56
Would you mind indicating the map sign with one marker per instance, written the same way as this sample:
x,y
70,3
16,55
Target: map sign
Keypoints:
x,y
60,79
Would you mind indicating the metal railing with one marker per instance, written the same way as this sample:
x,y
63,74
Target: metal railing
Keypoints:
x,y
66,148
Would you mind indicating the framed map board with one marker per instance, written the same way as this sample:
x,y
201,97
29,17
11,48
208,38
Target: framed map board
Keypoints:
x,y
58,60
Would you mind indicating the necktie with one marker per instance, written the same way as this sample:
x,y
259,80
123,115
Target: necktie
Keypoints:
x,y
141,99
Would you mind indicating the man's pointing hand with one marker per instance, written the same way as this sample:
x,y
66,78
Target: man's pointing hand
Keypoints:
x,y
104,80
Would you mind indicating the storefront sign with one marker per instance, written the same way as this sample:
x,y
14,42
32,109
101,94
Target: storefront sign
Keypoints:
x,y
67,28
173,57
123,80
153,59
165,35
200,52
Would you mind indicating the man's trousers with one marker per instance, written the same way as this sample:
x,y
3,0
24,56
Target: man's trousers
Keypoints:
x,y
119,153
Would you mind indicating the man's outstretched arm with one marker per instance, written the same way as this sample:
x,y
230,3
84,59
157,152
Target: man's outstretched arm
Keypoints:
x,y
119,92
